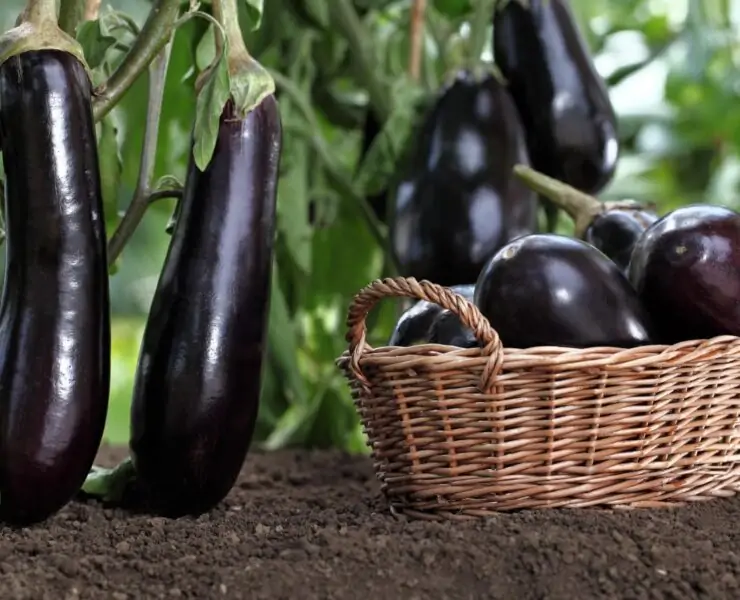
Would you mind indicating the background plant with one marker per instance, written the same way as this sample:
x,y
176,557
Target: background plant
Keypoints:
x,y
673,75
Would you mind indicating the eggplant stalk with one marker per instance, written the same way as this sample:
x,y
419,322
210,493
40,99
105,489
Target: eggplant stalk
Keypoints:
x,y
580,207
37,29
250,82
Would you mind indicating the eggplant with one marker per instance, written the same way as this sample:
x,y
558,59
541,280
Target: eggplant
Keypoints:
x,y
553,290
54,315
414,326
457,201
686,270
448,329
612,227
616,231
564,104
197,384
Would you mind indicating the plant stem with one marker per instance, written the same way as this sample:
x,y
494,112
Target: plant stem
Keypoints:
x,y
109,485
579,206
40,12
155,34
227,13
349,25
479,30
417,38
622,73
141,199
71,14
163,195
249,82
37,28
92,9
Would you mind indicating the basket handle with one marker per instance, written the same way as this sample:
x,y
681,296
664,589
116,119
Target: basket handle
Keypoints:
x,y
409,287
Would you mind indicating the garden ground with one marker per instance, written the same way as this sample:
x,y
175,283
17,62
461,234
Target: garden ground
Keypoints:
x,y
313,525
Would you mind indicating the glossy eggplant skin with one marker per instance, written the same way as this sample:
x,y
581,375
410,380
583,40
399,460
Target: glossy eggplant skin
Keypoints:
x,y
447,329
686,270
615,232
564,105
197,386
553,290
54,323
414,326
457,201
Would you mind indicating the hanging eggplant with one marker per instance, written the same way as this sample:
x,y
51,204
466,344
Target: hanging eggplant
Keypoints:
x,y
564,104
458,200
54,320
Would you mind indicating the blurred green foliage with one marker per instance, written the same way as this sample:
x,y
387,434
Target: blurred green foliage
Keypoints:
x,y
673,69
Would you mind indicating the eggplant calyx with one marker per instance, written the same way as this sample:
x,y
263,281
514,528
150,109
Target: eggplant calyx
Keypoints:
x,y
249,82
37,30
580,207
110,485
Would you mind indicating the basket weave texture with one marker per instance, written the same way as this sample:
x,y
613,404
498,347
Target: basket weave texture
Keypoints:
x,y
461,433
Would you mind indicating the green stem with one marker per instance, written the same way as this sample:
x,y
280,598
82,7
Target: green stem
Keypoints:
x,y
37,30
163,195
109,485
71,14
580,207
250,83
479,30
142,194
227,13
622,73
155,34
348,23
40,12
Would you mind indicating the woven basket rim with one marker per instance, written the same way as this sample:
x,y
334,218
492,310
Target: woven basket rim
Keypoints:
x,y
361,352
553,356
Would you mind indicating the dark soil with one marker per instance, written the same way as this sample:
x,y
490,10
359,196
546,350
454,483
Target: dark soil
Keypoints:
x,y
313,525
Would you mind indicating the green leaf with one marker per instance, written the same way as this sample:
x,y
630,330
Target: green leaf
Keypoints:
x,y
95,44
318,11
254,11
208,109
98,36
292,211
113,20
109,485
453,8
292,427
111,169
205,51
294,190
272,401
384,153
335,418
283,341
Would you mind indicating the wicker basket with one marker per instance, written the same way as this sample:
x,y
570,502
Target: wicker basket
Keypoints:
x,y
460,433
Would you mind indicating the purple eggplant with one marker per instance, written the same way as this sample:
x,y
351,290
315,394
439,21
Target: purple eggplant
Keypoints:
x,y
564,104
197,386
686,270
612,227
54,323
